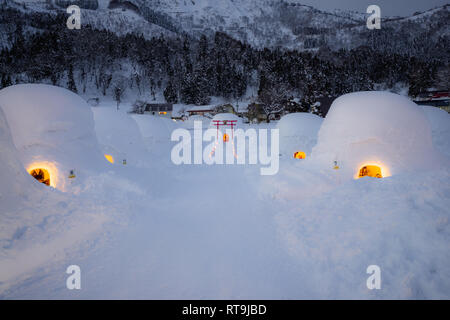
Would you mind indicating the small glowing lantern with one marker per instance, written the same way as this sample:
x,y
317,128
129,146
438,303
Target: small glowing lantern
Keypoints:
x,y
226,138
299,155
109,157
370,171
336,167
72,174
124,162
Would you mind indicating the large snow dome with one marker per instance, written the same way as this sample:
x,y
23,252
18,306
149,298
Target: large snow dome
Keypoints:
x,y
440,128
154,128
119,136
156,132
298,133
375,134
53,131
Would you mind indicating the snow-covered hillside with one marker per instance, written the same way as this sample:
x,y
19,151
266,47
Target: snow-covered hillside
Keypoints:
x,y
262,23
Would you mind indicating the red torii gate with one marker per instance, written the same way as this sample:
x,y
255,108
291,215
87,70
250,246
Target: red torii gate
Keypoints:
x,y
231,123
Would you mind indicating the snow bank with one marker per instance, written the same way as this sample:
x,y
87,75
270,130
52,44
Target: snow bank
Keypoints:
x,y
440,128
400,224
52,128
376,128
119,136
298,132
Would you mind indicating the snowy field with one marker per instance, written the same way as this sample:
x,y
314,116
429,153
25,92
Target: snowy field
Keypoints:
x,y
153,230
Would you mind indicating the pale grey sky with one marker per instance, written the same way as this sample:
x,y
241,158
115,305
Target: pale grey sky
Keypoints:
x,y
388,7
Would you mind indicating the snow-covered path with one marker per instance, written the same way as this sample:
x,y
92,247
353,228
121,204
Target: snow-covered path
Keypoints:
x,y
218,232
203,236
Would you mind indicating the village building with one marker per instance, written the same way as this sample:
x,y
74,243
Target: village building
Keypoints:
x,y
211,110
439,99
159,109
200,110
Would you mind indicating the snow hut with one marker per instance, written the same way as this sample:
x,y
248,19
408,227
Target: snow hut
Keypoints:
x,y
14,180
375,134
119,136
298,134
154,129
53,131
155,132
440,128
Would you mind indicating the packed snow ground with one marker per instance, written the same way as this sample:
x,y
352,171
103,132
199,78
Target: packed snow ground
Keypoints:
x,y
154,230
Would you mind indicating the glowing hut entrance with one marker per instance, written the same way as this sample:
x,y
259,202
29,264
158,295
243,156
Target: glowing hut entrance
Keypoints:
x,y
109,157
299,155
41,175
370,171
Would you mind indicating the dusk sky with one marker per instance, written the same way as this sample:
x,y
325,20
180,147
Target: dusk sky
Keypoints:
x,y
388,7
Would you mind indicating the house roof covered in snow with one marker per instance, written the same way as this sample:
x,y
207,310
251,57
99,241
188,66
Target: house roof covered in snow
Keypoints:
x,y
201,108
149,107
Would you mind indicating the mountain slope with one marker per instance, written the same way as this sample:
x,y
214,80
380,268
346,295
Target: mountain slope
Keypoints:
x,y
261,23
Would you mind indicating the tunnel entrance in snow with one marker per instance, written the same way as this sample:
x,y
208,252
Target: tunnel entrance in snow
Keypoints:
x,y
41,175
370,171
299,155
110,158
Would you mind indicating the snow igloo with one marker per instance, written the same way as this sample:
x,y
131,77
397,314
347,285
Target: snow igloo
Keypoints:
x,y
155,132
375,134
298,134
154,129
14,179
119,137
53,131
440,128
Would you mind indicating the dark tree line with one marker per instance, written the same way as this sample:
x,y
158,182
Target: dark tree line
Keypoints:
x,y
191,70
